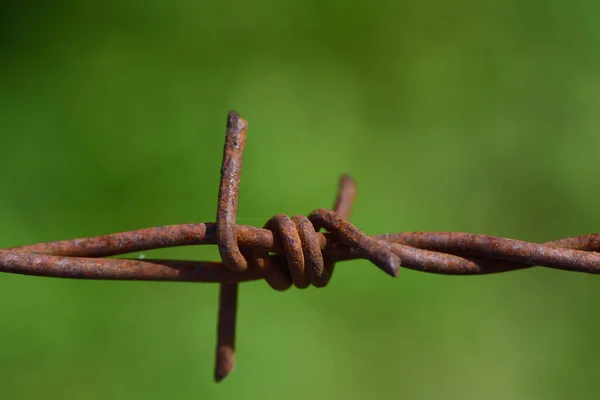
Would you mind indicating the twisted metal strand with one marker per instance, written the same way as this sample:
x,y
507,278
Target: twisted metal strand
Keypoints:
x,y
252,238
494,254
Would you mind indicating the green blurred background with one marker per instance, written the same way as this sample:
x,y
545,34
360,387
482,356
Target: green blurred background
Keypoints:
x,y
465,116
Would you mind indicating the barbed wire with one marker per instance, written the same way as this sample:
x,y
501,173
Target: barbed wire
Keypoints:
x,y
286,251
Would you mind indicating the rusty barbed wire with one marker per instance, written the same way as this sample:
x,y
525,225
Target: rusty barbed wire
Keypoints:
x,y
286,251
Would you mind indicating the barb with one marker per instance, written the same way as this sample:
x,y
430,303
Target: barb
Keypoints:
x,y
233,259
286,251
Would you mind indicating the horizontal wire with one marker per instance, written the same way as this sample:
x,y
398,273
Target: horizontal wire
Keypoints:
x,y
452,253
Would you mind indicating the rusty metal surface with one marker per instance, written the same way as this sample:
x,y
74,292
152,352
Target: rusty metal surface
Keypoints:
x,y
287,251
229,188
226,326
229,250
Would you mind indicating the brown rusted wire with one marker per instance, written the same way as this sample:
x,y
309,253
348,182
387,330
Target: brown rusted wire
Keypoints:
x,y
231,255
287,251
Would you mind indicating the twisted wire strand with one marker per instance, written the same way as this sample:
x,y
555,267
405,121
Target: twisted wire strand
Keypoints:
x,y
287,250
78,258
571,254
427,254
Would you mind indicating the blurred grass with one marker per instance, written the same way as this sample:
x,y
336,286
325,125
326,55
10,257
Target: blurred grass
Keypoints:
x,y
464,116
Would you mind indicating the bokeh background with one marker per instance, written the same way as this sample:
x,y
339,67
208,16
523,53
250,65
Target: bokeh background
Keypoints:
x,y
476,116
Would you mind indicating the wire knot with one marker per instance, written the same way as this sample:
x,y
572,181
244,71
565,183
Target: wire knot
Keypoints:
x,y
303,262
